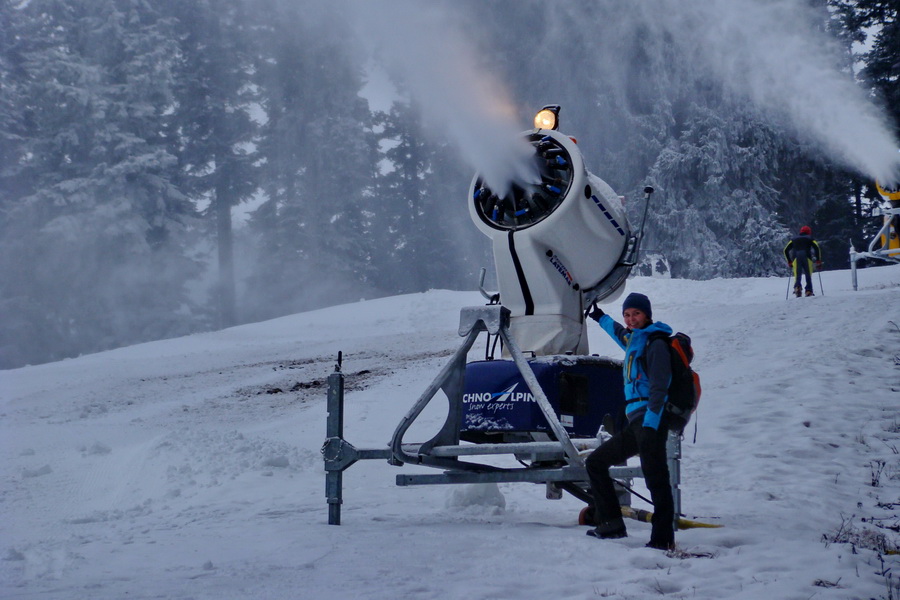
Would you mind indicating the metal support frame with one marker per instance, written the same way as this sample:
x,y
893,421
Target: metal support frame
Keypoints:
x,y
884,253
561,460
673,456
333,449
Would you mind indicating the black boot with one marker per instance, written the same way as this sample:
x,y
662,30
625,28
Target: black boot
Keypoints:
x,y
660,545
609,530
797,291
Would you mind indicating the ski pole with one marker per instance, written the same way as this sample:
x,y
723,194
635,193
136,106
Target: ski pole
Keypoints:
x,y
788,290
821,289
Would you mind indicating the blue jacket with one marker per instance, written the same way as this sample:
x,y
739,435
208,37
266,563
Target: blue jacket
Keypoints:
x,y
646,391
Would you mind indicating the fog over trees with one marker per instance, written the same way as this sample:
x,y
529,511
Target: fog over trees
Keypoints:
x,y
170,167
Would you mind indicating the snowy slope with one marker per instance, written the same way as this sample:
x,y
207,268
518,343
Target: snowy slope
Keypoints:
x,y
190,468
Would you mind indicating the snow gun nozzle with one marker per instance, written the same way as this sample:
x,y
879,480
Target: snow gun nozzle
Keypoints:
x,y
888,191
648,190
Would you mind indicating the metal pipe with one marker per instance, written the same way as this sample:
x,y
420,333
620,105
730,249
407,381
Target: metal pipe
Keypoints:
x,y
452,366
673,455
884,231
648,191
334,429
518,475
510,448
572,456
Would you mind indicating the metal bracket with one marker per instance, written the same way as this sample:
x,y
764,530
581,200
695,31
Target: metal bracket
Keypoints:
x,y
444,450
884,253
338,454
483,318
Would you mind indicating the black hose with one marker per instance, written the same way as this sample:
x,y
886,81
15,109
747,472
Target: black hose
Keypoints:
x,y
621,483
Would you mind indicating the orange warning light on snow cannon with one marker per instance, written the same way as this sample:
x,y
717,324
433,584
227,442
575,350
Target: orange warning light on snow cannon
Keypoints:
x,y
547,118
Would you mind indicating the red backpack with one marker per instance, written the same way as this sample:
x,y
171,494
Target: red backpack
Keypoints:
x,y
684,389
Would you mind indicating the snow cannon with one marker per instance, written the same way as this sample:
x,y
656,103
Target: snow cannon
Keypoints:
x,y
889,193
886,243
560,242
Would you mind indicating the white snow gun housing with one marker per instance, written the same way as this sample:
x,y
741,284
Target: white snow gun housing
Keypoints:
x,y
560,242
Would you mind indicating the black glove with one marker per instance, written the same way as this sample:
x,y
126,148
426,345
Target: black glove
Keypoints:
x,y
596,313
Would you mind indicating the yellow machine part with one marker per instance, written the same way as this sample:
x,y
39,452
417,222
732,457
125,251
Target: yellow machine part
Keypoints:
x,y
645,516
890,193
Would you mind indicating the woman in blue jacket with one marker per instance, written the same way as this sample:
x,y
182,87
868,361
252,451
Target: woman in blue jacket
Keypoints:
x,y
648,371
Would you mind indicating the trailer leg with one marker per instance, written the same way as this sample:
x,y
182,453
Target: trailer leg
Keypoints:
x,y
334,429
673,452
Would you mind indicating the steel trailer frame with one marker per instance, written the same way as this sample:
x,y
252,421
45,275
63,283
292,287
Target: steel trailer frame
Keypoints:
x,y
557,463
885,252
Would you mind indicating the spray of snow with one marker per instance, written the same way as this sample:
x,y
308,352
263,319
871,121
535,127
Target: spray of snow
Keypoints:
x,y
770,52
423,46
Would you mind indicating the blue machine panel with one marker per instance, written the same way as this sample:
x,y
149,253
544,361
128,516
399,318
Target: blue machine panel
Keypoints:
x,y
581,389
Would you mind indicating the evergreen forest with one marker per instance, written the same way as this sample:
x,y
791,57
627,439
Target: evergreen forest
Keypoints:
x,y
176,166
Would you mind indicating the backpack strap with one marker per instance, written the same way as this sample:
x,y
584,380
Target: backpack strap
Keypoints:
x,y
656,335
679,347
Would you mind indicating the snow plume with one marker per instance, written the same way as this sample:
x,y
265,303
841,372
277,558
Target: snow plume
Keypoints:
x,y
423,46
770,52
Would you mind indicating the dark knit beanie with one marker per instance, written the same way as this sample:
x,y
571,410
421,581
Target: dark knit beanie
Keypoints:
x,y
638,301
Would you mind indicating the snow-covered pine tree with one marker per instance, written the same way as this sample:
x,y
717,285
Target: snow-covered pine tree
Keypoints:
x,y
403,192
94,247
212,129
318,154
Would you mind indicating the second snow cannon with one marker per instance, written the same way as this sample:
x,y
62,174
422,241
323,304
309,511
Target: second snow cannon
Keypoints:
x,y
886,243
560,241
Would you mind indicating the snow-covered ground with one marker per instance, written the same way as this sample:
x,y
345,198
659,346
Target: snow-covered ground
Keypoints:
x,y
190,468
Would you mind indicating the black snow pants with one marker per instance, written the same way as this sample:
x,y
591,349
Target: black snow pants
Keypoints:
x,y
802,265
651,446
